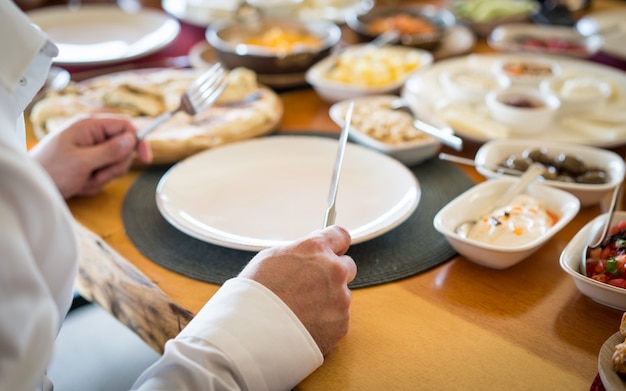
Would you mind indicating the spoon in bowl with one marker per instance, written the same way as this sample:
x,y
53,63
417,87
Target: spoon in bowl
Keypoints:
x,y
529,176
604,232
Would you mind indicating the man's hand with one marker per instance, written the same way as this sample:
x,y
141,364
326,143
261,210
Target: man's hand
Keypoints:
x,y
311,276
89,152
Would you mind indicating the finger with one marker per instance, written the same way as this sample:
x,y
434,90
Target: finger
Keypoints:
x,y
350,267
144,151
105,174
112,151
338,238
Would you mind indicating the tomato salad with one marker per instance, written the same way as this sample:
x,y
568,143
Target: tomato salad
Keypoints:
x,y
607,263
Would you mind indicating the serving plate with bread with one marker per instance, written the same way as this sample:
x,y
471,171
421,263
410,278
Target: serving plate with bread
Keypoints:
x,y
245,109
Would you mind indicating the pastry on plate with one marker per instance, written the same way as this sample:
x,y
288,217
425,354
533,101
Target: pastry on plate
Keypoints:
x,y
244,110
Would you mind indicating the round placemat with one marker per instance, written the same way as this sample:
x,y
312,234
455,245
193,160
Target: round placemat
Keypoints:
x,y
412,247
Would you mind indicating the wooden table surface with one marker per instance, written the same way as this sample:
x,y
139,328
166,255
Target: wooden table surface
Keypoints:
x,y
458,326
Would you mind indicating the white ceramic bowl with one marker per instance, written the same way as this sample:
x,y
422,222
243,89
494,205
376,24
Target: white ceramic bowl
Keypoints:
x,y
523,120
468,206
578,92
527,70
471,84
373,114
571,259
491,154
365,70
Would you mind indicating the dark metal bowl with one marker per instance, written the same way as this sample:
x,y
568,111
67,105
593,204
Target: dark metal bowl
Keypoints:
x,y
442,19
227,37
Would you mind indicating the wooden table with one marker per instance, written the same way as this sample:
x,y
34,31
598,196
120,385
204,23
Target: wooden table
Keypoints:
x,y
458,326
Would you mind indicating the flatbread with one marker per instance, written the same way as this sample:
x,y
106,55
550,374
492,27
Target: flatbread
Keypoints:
x,y
244,110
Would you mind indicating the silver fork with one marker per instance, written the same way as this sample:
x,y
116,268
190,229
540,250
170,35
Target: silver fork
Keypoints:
x,y
202,93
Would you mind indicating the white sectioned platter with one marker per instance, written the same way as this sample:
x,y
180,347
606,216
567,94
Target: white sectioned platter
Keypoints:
x,y
99,34
269,191
605,127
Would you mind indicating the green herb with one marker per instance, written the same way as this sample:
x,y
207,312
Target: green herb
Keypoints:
x,y
611,266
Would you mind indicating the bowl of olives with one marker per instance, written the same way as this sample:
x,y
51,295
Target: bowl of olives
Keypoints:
x,y
589,173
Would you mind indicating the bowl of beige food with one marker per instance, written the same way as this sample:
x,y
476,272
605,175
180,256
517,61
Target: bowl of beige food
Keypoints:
x,y
376,125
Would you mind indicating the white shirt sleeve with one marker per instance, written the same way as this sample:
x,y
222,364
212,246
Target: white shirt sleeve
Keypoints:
x,y
244,338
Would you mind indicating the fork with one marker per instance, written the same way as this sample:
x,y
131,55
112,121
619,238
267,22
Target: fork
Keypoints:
x,y
202,93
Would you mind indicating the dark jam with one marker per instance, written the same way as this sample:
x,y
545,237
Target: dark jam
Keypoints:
x,y
522,102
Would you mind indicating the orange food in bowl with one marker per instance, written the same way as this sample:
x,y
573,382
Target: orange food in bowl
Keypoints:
x,y
280,40
403,23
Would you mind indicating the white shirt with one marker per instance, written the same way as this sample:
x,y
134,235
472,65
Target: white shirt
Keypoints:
x,y
244,338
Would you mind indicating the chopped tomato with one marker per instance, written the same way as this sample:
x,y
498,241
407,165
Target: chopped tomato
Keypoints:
x,y
607,264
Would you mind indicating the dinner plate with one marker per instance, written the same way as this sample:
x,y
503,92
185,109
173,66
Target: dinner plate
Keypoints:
x,y
202,12
99,34
604,128
611,25
610,379
269,191
533,38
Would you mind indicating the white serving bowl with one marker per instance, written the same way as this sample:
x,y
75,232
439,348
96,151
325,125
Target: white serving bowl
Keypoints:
x,y
468,207
578,92
374,114
491,154
571,259
471,84
529,70
523,120
365,70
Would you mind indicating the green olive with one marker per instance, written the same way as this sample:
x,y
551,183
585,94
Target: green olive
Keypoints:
x,y
571,164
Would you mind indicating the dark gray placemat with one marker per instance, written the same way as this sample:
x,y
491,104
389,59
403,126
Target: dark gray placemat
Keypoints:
x,y
412,247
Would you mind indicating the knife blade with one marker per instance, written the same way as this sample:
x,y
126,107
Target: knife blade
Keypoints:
x,y
329,218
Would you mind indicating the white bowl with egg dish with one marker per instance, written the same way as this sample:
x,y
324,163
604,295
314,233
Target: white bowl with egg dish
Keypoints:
x,y
589,173
578,92
502,238
377,126
526,110
597,287
361,70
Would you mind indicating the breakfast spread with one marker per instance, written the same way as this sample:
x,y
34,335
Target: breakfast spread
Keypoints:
x,y
244,109
607,263
522,221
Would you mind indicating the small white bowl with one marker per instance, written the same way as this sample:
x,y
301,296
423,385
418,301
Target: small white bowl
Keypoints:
x,y
527,70
360,67
578,92
471,84
375,113
491,154
524,120
571,258
479,198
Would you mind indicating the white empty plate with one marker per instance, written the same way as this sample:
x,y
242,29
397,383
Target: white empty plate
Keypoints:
x,y
269,191
98,34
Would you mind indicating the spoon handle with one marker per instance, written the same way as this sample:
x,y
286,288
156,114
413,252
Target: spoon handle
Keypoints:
x,y
609,217
533,171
